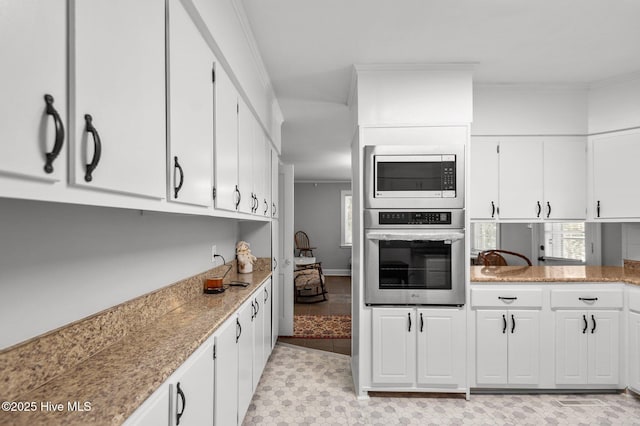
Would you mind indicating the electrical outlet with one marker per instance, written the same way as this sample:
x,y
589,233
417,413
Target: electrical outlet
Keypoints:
x,y
214,251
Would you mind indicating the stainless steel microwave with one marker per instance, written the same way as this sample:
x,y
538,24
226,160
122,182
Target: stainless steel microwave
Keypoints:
x,y
417,176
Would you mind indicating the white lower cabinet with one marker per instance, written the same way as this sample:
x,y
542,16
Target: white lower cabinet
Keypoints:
x,y
634,351
587,335
216,383
418,347
587,347
507,347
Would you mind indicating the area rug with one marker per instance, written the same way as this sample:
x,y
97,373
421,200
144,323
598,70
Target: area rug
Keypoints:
x,y
322,326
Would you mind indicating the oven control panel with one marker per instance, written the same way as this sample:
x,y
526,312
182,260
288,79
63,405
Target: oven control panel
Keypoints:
x,y
414,218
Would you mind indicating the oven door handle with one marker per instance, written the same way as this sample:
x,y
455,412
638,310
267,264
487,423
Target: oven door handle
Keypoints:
x,y
415,235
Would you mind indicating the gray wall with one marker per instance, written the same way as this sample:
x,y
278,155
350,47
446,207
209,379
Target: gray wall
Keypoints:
x,y
317,212
60,263
611,243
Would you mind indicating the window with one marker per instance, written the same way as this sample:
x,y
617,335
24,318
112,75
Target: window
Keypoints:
x,y
564,241
346,231
484,236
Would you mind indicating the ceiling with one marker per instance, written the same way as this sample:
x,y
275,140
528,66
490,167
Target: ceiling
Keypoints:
x,y
310,46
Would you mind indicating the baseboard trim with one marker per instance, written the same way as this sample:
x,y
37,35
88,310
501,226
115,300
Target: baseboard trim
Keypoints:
x,y
337,272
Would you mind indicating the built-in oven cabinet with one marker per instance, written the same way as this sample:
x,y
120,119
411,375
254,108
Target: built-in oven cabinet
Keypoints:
x,y
633,381
507,335
414,348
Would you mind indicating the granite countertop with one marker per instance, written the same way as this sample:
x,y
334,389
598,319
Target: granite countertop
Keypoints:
x,y
118,379
569,274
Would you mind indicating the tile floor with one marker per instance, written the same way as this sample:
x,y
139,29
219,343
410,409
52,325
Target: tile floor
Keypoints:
x,y
302,386
338,303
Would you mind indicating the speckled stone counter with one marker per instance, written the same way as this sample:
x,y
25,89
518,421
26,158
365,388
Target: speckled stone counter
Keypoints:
x,y
569,274
118,378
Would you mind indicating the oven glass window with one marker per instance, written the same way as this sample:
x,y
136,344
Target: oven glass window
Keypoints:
x,y
409,176
415,265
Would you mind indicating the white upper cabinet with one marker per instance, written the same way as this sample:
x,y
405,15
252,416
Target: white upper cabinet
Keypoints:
x,y
616,193
226,146
275,173
246,132
117,107
521,189
485,178
565,174
190,111
524,178
33,38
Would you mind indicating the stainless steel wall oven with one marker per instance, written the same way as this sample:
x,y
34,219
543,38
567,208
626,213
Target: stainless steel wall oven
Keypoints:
x,y
414,257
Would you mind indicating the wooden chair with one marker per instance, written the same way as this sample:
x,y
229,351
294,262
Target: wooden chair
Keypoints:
x,y
308,281
302,244
497,258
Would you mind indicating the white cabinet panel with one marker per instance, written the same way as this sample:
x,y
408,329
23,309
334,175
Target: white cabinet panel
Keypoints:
x,y
521,181
192,389
616,193
441,354
275,172
226,374
565,173
491,347
268,321
246,133
259,324
634,351
226,145
587,347
118,96
245,359
154,411
484,182
394,346
571,347
33,39
604,347
524,347
508,347
190,111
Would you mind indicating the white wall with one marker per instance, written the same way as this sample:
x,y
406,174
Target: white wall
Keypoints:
x,y
317,212
529,110
60,263
615,104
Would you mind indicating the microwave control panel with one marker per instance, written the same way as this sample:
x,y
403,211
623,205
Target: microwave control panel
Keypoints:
x,y
448,175
414,218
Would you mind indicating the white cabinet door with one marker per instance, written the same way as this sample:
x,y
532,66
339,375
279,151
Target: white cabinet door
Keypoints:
x,y
226,376
268,321
276,276
565,173
117,114
246,134
192,389
154,411
491,347
258,167
394,346
245,358
521,180
634,351
571,347
265,209
441,346
275,168
524,347
484,179
189,111
616,193
226,146
604,347
33,39
258,336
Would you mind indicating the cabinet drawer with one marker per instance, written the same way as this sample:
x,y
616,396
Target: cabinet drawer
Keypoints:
x,y
506,298
634,299
586,298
